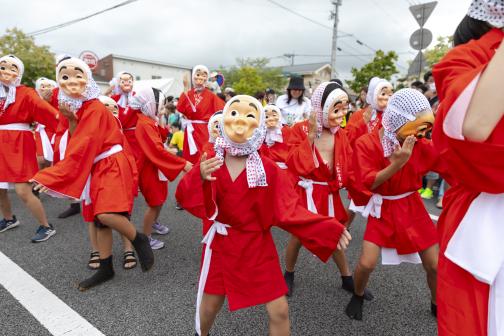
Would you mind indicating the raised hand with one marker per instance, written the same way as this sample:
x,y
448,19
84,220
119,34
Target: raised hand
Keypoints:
x,y
185,81
188,165
312,127
344,240
402,153
207,167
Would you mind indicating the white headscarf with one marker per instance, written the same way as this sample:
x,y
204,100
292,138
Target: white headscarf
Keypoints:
x,y
8,92
491,11
203,68
92,90
211,121
125,96
43,80
323,111
145,101
274,134
403,107
256,175
374,88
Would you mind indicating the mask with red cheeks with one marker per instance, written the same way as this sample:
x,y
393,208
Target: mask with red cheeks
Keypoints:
x,y
72,79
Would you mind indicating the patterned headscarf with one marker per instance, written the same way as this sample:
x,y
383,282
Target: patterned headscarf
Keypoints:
x,y
92,90
322,112
374,88
215,117
8,92
256,175
491,11
403,107
125,96
43,80
203,68
275,134
145,101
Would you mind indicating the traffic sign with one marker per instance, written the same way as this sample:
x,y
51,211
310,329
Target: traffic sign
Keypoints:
x,y
422,12
418,65
420,39
90,58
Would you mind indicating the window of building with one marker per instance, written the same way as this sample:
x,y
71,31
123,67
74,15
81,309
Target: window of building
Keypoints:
x,y
156,77
137,77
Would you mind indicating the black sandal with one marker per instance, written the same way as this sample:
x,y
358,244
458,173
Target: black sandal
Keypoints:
x,y
94,261
129,258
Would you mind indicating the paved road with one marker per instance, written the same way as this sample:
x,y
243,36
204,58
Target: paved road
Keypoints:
x,y
162,302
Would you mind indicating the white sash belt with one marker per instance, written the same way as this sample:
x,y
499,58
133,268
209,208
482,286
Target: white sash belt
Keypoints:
x,y
15,127
187,124
63,145
215,228
130,129
46,143
281,165
85,193
307,184
374,205
478,247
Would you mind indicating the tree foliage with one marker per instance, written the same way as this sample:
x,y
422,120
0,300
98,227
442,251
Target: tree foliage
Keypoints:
x,y
252,75
38,60
436,53
382,65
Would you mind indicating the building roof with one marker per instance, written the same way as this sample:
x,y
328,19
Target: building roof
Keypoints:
x,y
134,59
304,69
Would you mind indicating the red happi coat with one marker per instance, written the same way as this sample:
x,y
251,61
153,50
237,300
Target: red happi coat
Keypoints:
x,y
279,151
302,160
128,118
112,179
245,265
18,157
356,126
478,167
152,157
205,108
405,224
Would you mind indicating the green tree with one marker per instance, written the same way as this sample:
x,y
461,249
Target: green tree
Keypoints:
x,y
252,75
38,60
436,53
382,65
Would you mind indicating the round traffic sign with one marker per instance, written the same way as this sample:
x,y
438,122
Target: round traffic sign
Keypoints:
x,y
90,58
420,39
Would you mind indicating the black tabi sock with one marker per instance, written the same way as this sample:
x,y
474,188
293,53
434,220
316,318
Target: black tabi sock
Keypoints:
x,y
144,251
355,307
347,283
104,273
433,309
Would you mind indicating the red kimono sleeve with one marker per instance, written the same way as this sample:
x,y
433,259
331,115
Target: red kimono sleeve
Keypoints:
x,y
319,234
151,144
183,105
218,104
196,196
363,159
43,112
68,177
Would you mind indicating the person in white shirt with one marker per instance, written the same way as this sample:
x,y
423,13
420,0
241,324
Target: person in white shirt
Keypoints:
x,y
293,105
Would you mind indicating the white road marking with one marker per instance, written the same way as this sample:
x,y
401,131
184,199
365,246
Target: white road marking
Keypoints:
x,y
58,318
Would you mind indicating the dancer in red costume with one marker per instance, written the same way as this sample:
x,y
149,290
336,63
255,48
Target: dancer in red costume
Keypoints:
x,y
247,195
391,164
19,107
276,143
469,132
197,105
95,168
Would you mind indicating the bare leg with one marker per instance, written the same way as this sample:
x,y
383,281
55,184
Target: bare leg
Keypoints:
x,y
104,239
5,204
127,246
119,223
430,261
24,191
278,313
341,261
292,253
93,236
210,307
150,216
367,263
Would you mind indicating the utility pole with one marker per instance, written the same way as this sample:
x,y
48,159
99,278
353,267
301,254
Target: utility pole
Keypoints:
x,y
291,56
334,15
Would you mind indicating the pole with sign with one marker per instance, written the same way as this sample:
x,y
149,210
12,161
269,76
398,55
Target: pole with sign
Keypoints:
x,y
421,38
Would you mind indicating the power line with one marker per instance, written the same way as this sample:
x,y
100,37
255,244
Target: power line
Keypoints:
x,y
68,23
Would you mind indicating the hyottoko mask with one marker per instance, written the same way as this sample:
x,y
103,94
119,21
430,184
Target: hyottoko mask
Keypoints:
x,y
418,127
9,71
272,116
241,118
72,79
337,111
126,82
111,105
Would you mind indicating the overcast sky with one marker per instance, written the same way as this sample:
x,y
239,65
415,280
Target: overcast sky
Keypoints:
x,y
216,32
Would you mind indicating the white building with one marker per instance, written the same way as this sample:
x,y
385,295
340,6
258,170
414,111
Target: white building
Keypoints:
x,y
142,69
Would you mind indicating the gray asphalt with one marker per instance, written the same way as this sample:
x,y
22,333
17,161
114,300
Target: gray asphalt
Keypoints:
x,y
162,301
